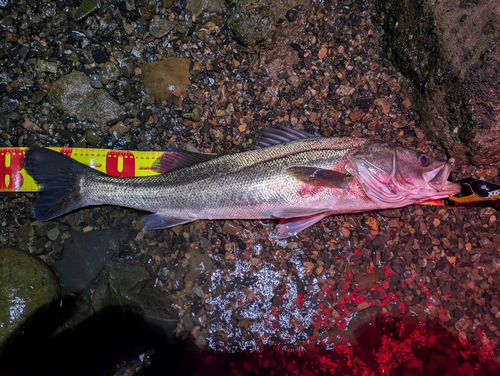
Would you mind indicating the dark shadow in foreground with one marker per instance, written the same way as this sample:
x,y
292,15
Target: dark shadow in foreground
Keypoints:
x,y
114,341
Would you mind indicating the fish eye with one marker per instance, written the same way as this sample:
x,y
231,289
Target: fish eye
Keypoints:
x,y
423,160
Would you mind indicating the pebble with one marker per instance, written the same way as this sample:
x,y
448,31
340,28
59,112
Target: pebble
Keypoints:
x,y
100,55
383,104
371,223
293,80
120,128
46,66
86,8
53,233
322,53
109,73
30,126
159,27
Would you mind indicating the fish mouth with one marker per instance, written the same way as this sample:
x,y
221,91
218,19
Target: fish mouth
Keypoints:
x,y
438,180
382,187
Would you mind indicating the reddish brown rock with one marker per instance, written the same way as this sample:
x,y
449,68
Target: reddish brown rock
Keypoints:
x,y
166,77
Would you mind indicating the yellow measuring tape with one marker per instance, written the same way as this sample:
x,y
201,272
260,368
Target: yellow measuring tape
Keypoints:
x,y
121,163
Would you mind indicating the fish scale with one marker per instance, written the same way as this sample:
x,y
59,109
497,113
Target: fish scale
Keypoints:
x,y
242,185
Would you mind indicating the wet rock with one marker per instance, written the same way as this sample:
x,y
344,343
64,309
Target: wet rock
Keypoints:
x,y
26,284
198,6
452,67
291,14
166,77
258,22
95,81
86,8
84,255
363,317
73,94
109,73
129,284
160,27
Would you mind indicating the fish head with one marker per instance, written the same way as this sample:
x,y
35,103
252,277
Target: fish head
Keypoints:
x,y
392,175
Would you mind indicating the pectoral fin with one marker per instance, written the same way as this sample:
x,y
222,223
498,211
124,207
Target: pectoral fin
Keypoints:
x,y
320,177
291,227
159,221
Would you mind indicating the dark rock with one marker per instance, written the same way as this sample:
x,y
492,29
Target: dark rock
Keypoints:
x,y
129,284
100,55
86,8
453,67
84,256
258,22
291,14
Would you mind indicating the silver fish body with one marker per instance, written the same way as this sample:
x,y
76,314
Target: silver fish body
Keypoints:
x,y
302,180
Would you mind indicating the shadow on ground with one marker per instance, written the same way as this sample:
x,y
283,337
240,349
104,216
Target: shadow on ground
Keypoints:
x,y
116,342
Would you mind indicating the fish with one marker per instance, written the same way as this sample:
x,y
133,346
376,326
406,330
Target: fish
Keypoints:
x,y
291,175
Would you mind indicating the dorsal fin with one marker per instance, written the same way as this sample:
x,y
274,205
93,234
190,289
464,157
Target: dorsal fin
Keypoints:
x,y
174,159
279,135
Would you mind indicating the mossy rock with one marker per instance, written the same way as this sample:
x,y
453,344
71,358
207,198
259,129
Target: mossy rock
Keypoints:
x,y
26,284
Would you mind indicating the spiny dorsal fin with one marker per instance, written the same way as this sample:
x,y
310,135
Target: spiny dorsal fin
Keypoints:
x,y
174,159
320,177
279,135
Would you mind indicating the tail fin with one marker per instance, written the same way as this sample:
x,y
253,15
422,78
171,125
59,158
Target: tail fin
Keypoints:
x,y
59,176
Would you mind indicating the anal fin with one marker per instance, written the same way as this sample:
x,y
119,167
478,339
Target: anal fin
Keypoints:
x,y
291,227
159,221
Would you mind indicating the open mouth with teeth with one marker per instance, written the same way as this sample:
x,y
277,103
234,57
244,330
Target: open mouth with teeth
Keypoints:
x,y
382,187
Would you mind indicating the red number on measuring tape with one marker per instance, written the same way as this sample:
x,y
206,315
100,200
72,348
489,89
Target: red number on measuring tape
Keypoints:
x,y
120,163
11,164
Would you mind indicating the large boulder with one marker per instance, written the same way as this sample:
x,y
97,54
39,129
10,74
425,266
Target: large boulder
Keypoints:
x,y
450,50
26,284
